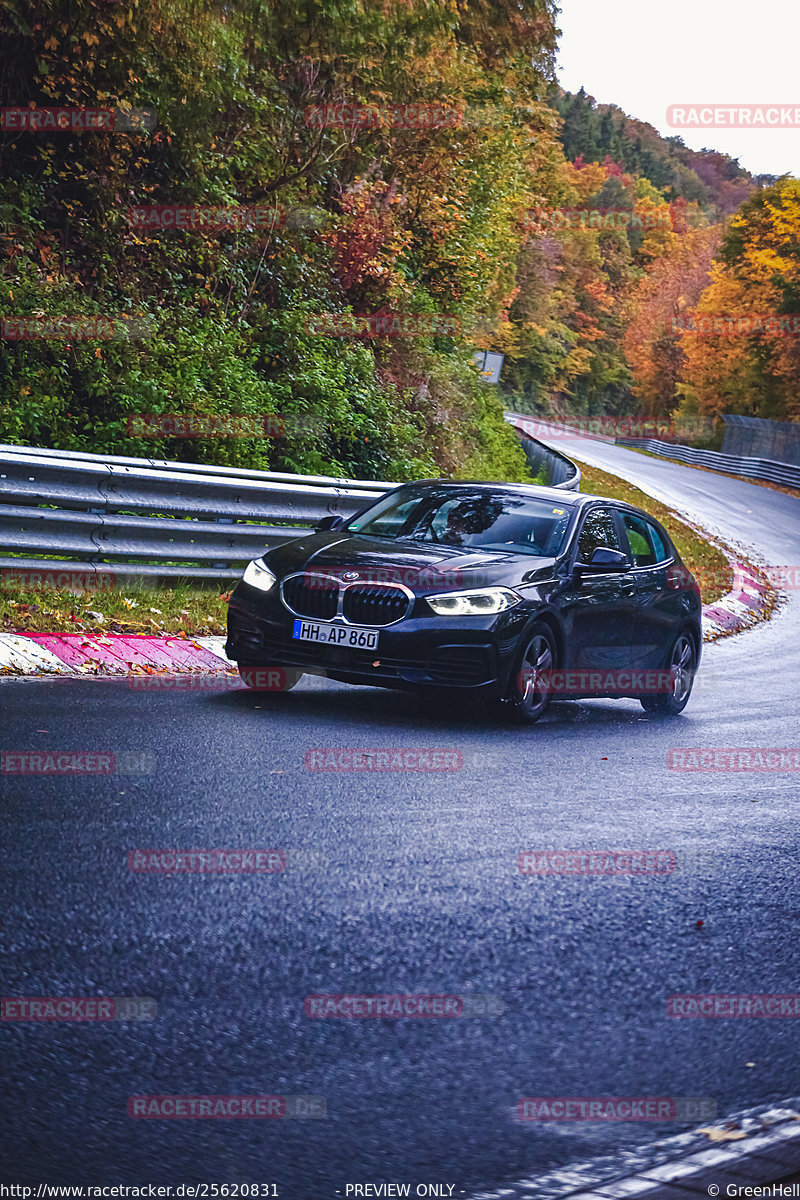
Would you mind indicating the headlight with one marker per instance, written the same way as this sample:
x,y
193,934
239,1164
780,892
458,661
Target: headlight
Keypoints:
x,y
474,604
258,575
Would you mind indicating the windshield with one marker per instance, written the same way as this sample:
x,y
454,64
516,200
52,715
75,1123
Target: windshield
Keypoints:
x,y
481,518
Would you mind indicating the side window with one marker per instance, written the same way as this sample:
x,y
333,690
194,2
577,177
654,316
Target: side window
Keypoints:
x,y
598,529
659,545
644,550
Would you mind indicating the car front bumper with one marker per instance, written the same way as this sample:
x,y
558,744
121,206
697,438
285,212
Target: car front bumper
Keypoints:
x,y
476,653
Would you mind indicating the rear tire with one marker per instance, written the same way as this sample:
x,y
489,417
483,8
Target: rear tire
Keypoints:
x,y
527,699
269,679
682,664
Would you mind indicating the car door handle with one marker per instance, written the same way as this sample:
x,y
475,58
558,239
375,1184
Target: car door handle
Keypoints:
x,y
628,587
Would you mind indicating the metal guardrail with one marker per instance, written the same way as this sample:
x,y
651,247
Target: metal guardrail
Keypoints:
x,y
161,464
561,471
153,520
729,464
104,514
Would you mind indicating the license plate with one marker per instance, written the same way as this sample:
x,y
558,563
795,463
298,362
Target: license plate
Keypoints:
x,y
336,635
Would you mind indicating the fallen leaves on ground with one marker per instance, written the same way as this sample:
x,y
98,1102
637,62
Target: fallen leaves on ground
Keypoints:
x,y
722,1135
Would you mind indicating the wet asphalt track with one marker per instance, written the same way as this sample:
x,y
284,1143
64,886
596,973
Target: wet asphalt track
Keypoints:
x,y
415,889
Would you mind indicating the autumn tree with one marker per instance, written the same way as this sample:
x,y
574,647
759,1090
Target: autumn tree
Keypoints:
x,y
752,365
653,343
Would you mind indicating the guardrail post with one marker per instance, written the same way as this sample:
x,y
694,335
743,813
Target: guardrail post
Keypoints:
x,y
224,521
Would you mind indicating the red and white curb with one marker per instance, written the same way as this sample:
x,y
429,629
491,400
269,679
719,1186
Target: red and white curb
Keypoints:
x,y
110,654
743,606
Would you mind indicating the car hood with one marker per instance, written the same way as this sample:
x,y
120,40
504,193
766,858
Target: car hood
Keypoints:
x,y
422,566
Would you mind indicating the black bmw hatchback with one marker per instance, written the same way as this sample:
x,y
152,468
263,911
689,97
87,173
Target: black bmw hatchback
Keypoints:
x,y
518,593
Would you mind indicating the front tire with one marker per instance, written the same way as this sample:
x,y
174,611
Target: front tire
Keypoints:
x,y
268,679
682,665
528,697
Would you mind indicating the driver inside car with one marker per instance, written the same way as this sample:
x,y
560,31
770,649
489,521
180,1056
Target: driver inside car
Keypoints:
x,y
457,528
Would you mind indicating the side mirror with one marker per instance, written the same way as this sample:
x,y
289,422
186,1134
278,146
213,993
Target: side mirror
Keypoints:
x,y
328,523
604,560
